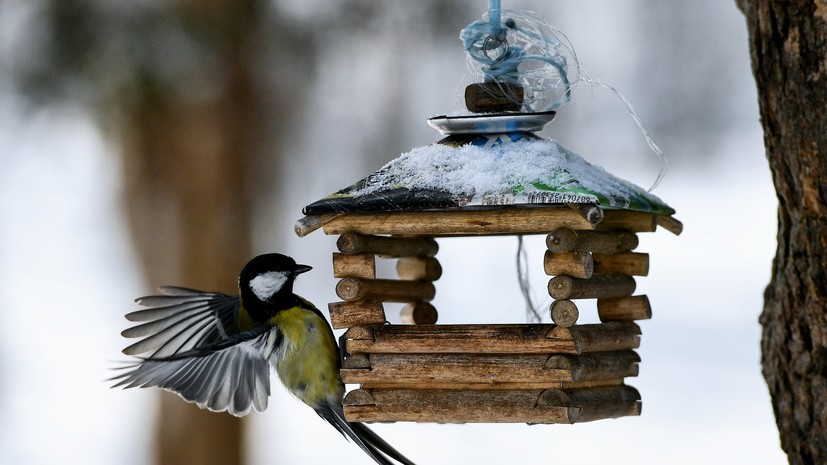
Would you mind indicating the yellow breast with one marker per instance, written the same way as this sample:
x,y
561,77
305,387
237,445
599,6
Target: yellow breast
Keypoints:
x,y
306,361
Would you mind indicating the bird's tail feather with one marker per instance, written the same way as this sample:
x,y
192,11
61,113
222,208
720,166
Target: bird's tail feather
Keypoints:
x,y
373,445
367,435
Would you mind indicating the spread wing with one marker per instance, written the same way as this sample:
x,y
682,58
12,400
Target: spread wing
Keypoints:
x,y
181,320
195,349
230,375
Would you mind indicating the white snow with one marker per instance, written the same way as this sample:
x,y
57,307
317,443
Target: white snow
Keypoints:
x,y
522,167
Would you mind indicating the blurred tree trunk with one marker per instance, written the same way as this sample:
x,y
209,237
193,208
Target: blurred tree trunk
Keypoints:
x,y
189,220
185,162
788,44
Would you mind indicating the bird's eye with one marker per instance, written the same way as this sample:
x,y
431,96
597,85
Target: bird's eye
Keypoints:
x,y
267,284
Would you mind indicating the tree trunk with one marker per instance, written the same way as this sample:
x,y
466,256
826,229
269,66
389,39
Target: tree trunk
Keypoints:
x,y
788,44
186,165
190,224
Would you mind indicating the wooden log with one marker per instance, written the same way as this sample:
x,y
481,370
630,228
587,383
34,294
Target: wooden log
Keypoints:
x,y
624,308
628,263
356,361
574,264
415,268
363,312
670,224
418,313
486,97
596,365
355,266
626,220
352,243
445,369
567,240
594,403
310,223
452,406
358,397
591,383
563,240
504,339
499,386
400,370
528,220
386,290
604,337
599,286
589,211
564,313
491,339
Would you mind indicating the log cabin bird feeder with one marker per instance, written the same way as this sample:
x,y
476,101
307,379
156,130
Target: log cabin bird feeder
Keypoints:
x,y
490,175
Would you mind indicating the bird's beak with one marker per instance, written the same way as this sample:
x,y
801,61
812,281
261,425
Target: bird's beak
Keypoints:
x,y
302,269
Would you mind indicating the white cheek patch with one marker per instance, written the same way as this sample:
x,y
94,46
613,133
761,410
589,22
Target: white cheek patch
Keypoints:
x,y
267,284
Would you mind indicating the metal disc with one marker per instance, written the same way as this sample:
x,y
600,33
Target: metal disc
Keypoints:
x,y
491,123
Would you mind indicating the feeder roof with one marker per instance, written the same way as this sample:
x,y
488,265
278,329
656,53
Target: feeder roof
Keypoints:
x,y
515,169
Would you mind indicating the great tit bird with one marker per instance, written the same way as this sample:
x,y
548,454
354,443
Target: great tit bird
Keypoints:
x,y
215,350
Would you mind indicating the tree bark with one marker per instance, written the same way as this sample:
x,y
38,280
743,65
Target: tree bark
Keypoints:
x,y
788,45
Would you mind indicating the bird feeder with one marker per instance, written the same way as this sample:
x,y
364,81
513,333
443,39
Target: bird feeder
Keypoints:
x,y
490,175
536,373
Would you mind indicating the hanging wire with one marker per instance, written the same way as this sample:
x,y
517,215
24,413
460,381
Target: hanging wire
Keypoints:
x,y
653,146
494,12
532,312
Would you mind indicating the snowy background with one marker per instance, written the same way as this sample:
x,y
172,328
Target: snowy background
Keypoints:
x,y
67,271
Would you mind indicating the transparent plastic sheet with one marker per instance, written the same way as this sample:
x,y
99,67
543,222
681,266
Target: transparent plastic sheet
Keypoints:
x,y
520,48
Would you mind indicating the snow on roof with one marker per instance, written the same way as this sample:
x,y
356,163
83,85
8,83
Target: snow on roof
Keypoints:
x,y
504,169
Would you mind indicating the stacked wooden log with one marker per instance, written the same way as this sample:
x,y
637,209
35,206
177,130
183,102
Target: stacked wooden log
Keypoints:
x,y
363,293
533,373
598,265
491,373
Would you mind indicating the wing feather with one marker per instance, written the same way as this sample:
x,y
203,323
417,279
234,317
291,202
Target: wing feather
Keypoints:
x,y
163,308
181,320
232,375
160,324
178,290
168,341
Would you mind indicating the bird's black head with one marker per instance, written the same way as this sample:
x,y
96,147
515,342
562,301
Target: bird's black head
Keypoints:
x,y
266,283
